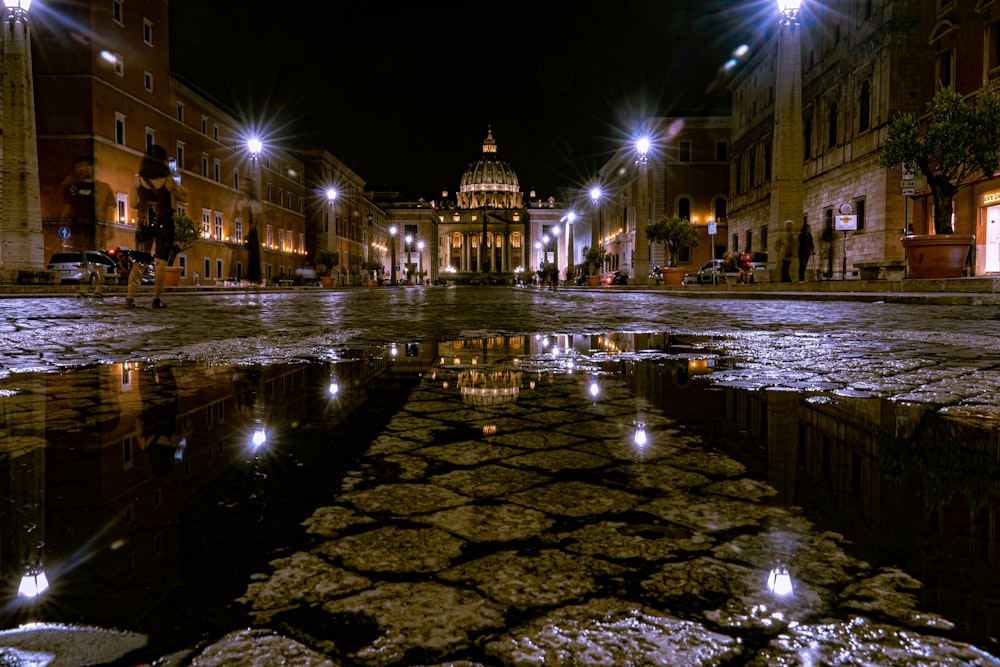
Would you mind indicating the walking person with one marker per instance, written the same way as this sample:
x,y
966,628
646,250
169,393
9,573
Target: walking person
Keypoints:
x,y
785,246
806,250
155,193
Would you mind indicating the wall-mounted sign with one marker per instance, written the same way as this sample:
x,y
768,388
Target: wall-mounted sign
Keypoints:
x,y
845,223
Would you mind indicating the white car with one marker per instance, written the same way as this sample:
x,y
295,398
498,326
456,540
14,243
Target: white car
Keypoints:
x,y
74,267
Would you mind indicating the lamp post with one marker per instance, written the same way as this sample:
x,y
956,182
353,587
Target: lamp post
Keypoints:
x,y
643,213
597,226
392,247
255,258
570,242
22,243
555,245
420,259
331,199
409,241
786,161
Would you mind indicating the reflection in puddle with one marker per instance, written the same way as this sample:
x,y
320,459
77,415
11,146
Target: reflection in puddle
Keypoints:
x,y
506,476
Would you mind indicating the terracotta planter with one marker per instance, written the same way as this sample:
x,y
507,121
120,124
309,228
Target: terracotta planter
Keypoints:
x,y
936,255
326,281
173,275
370,282
673,275
593,281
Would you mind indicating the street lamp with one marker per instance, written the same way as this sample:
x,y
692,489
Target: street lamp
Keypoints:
x,y
409,240
643,210
555,245
420,259
22,240
786,156
570,241
597,226
392,247
255,259
331,198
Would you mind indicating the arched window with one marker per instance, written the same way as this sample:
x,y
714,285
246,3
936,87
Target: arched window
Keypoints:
x,y
684,208
865,107
831,139
720,209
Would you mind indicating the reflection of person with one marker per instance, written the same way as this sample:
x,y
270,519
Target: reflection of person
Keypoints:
x,y
159,433
806,249
155,194
786,250
84,197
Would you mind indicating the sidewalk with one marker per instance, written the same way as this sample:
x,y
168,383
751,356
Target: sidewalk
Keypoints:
x,y
976,291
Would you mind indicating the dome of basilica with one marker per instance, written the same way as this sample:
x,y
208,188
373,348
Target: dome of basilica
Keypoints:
x,y
489,182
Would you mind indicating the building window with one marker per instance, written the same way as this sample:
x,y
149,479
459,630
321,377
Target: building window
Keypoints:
x,y
945,70
218,274
748,241
684,151
267,192
218,226
206,224
767,163
119,64
859,212
738,177
147,81
720,209
831,138
204,125
238,229
122,206
865,107
215,132
180,112
752,169
217,170
180,154
236,179
119,129
150,139
207,261
684,208
763,238
807,135
147,31
116,12
204,165
721,151
736,242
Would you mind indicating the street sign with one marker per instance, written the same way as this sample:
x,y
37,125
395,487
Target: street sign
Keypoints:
x,y
711,229
846,223
909,191
64,232
908,183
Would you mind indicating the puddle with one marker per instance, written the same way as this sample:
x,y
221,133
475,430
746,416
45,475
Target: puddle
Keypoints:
x,y
501,500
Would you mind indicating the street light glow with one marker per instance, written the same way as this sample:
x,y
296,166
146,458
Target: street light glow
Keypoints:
x,y
642,146
254,145
331,194
595,194
21,5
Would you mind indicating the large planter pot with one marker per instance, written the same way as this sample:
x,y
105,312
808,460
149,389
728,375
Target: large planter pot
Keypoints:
x,y
172,275
593,281
326,281
936,255
672,275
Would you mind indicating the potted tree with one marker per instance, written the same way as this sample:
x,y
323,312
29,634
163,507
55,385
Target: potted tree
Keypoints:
x,y
954,144
549,275
372,268
676,234
594,258
326,262
186,233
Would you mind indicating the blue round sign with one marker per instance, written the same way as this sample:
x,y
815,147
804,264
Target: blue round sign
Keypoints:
x,y
64,232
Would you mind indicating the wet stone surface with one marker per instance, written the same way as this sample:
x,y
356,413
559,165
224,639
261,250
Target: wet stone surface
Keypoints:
x,y
552,537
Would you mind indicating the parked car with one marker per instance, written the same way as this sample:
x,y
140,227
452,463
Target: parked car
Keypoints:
x,y
124,258
72,268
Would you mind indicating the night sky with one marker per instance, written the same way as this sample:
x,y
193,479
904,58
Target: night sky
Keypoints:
x,y
403,93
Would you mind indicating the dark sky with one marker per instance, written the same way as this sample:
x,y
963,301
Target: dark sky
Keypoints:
x,y
403,93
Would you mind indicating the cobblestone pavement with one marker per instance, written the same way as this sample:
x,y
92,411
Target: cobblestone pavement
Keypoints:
x,y
945,354
555,541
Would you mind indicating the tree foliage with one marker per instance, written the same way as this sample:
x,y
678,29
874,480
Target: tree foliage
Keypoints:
x,y
953,144
186,233
676,234
327,260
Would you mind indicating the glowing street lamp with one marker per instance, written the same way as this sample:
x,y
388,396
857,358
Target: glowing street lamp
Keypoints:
x,y
644,212
392,246
255,258
420,259
22,240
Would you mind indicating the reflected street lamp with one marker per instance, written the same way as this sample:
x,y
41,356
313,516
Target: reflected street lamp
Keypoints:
x,y
22,240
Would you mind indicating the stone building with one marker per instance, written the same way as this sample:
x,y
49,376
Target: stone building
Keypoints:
x,y
857,65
